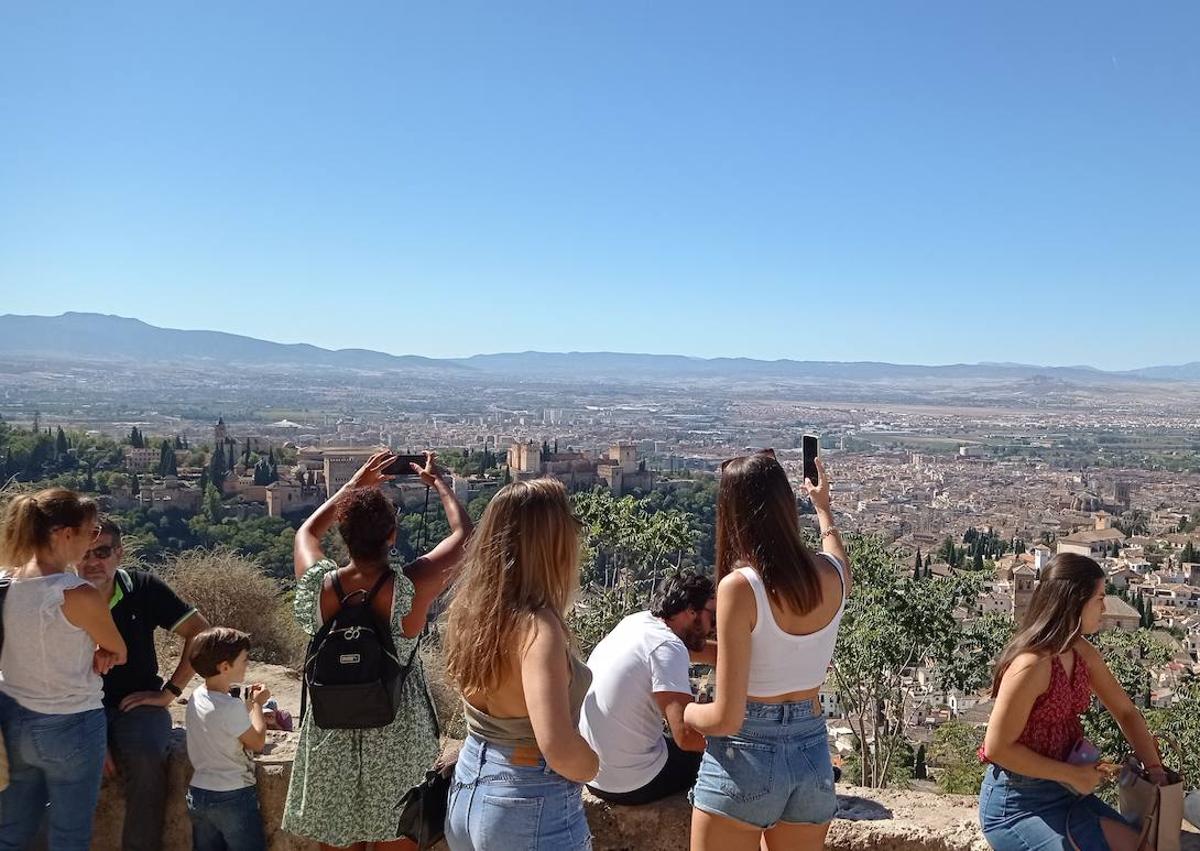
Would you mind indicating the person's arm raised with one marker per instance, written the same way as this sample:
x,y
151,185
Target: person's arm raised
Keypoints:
x,y
831,538
546,681
431,573
726,714
306,550
1026,679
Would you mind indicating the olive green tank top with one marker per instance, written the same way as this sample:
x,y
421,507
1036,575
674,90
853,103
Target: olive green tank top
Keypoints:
x,y
518,732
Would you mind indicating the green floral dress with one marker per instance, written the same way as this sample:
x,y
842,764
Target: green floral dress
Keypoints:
x,y
346,783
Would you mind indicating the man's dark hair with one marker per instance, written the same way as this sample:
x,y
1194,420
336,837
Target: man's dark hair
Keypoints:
x,y
216,645
681,592
108,526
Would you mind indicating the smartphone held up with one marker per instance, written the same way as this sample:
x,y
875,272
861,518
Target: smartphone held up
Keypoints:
x,y
401,465
810,446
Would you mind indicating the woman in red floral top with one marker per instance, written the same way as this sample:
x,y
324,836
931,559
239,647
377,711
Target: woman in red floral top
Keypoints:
x,y
1044,681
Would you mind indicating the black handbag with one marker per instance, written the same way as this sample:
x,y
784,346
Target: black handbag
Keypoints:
x,y
423,808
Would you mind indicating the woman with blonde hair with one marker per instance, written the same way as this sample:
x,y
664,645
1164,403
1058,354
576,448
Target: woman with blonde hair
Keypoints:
x,y
59,639
518,782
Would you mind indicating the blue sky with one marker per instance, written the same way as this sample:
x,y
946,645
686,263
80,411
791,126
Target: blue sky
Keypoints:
x,y
916,182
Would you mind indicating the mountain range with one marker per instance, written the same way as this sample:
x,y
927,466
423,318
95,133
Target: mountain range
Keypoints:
x,y
96,336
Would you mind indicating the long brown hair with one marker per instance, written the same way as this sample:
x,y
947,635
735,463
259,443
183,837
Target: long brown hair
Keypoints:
x,y
31,518
757,524
523,557
1055,617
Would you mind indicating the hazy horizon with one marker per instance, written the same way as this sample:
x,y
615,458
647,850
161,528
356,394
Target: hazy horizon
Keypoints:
x,y
732,356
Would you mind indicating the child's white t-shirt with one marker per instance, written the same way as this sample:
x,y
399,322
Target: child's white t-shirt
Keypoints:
x,y
215,721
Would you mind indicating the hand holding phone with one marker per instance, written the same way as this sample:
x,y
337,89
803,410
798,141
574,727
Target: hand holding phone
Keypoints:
x,y
402,465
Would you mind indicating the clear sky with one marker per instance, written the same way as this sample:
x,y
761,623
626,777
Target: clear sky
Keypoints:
x,y
907,181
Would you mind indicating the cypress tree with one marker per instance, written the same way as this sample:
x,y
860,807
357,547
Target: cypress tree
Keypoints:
x,y
919,770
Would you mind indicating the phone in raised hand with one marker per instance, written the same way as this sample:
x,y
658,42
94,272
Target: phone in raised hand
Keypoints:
x,y
810,446
401,465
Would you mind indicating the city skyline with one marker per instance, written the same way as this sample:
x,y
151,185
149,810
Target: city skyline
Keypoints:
x,y
954,184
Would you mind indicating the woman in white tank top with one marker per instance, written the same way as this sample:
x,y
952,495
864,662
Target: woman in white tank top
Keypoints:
x,y
59,638
766,772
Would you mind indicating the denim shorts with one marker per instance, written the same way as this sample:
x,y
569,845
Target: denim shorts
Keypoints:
x,y
1018,812
508,799
776,768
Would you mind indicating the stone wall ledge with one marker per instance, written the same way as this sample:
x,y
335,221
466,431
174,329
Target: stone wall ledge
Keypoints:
x,y
868,819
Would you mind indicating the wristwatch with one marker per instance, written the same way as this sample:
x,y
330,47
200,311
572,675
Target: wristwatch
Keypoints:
x,y
172,688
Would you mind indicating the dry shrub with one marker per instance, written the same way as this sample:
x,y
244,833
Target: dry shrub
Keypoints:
x,y
446,700
231,590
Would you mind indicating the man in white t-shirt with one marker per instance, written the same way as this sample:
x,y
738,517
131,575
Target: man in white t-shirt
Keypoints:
x,y
640,677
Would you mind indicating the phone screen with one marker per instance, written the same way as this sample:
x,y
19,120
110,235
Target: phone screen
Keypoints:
x,y
401,465
811,446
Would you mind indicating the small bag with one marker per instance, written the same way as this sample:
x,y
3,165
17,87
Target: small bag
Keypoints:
x,y
1158,809
423,808
5,582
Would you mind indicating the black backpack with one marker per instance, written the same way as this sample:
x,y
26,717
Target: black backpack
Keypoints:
x,y
350,670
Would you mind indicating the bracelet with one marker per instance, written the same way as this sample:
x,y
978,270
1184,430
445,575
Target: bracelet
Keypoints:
x,y
832,530
172,688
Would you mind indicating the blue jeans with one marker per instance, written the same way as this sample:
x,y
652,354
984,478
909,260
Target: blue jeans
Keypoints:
x,y
508,798
139,740
776,768
56,760
225,821
1019,813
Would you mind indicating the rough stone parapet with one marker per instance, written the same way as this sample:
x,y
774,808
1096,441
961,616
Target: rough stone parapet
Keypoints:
x,y
887,820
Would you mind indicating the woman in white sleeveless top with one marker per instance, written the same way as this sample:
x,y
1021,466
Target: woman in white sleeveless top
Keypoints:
x,y
766,772
59,638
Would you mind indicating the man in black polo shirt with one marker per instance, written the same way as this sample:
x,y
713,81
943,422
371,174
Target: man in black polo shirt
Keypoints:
x,y
135,696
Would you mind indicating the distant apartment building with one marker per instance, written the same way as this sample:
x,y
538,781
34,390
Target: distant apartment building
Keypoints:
x,y
141,460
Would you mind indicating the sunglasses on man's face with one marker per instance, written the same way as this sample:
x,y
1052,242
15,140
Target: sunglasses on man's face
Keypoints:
x,y
100,553
770,453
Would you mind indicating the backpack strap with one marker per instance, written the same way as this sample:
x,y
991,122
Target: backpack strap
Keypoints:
x,y
387,574
5,583
343,596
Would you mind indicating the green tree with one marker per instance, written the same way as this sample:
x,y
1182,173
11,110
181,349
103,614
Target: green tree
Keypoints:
x,y
955,754
216,467
60,443
918,565
212,507
919,771
166,459
891,624
1130,656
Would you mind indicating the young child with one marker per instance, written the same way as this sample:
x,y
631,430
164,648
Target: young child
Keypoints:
x,y
223,799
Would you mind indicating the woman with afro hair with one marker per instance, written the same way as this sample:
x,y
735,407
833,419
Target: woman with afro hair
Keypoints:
x,y
345,783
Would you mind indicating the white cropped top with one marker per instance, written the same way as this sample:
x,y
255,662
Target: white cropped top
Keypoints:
x,y
779,661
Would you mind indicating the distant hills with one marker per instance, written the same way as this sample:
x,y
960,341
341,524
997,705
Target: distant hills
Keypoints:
x,y
95,336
